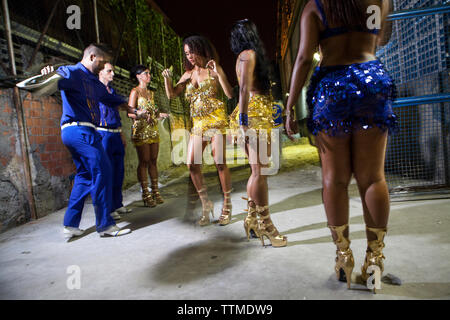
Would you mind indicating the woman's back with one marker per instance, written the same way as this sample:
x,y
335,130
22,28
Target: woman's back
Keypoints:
x,y
342,44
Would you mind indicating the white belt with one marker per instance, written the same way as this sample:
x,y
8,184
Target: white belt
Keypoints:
x,y
85,124
108,130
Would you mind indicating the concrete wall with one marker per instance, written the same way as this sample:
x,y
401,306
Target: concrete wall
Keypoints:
x,y
51,164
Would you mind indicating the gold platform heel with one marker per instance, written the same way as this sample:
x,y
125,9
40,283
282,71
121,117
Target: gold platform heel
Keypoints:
x,y
344,255
250,222
374,254
155,192
147,197
275,238
207,207
225,217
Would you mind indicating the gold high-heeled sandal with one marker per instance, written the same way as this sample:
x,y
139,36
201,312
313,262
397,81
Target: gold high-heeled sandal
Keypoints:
x,y
250,222
374,254
344,255
147,198
275,238
155,192
225,217
206,208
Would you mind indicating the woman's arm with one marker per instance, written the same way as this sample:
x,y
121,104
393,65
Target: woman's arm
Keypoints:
x,y
309,42
223,80
171,91
246,67
133,112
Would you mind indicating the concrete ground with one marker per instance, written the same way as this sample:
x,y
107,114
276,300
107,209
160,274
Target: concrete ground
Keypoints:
x,y
168,257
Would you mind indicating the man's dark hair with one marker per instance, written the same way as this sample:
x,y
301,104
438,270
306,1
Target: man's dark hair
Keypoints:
x,y
98,49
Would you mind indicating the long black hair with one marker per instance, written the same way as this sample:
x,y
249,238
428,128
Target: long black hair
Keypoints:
x,y
244,36
200,46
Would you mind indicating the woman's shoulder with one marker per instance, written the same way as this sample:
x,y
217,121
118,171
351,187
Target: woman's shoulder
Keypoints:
x,y
247,54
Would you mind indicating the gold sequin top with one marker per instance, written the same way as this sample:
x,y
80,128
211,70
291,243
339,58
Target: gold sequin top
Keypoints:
x,y
142,131
207,112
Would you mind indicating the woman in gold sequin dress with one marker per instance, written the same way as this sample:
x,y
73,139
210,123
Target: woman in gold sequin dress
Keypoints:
x,y
145,135
254,117
209,118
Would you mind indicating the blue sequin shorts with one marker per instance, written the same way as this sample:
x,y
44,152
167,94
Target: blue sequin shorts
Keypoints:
x,y
351,97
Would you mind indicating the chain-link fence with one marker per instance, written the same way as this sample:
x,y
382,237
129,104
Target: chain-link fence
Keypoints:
x,y
418,59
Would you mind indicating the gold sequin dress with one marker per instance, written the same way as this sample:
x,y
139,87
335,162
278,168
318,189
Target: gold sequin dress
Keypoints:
x,y
143,132
207,112
260,114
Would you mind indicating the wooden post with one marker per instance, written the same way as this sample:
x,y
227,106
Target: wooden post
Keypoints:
x,y
20,116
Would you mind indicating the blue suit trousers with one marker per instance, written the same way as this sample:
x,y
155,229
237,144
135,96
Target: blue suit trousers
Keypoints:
x,y
93,176
114,148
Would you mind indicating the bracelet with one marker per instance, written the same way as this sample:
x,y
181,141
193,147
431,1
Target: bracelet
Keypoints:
x,y
243,119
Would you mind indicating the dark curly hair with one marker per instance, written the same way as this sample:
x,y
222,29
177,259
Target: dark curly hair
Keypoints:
x,y
138,69
200,46
244,36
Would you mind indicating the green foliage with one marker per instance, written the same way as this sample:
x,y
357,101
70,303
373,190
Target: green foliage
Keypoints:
x,y
158,41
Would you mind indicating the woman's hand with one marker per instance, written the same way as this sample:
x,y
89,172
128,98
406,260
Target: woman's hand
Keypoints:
x,y
167,74
242,135
163,115
291,125
212,65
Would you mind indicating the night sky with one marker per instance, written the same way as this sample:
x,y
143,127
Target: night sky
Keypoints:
x,y
213,19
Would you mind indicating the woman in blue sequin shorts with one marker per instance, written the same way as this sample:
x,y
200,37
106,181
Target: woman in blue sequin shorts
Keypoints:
x,y
350,113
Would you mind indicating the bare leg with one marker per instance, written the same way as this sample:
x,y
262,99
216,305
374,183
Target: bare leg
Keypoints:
x,y
196,145
142,173
219,154
369,149
258,192
195,153
335,157
153,172
153,161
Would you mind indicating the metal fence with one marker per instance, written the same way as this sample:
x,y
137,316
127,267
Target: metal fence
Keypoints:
x,y
418,59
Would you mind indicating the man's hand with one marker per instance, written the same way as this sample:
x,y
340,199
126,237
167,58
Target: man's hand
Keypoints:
x,y
140,114
46,70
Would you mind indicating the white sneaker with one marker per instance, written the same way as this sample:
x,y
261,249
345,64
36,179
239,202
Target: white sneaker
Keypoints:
x,y
114,231
70,232
123,210
115,215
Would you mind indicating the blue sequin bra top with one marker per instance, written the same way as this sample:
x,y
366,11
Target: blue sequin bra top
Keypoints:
x,y
332,32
